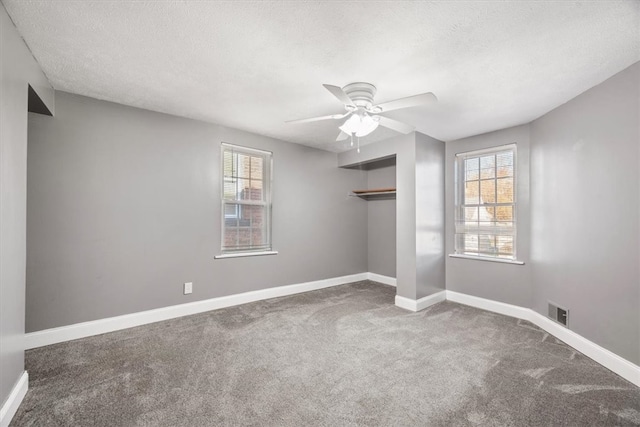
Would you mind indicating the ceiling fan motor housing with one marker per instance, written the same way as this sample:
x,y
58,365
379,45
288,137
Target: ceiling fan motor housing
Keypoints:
x,y
361,94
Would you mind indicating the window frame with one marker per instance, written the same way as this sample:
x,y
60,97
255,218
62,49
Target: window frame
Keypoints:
x,y
267,181
459,202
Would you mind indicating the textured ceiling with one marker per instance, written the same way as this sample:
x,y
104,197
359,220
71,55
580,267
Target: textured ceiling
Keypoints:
x,y
254,64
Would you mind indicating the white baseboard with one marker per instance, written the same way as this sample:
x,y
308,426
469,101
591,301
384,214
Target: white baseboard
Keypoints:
x,y
617,364
12,403
422,303
406,303
489,305
386,280
111,324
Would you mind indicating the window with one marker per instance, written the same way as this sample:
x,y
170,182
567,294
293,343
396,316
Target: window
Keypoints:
x,y
485,222
246,199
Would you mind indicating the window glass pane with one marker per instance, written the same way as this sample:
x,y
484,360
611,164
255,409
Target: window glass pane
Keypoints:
x,y
504,164
487,215
504,188
504,245
472,175
229,189
504,171
472,164
488,191
254,214
471,192
243,165
244,237
471,214
229,163
255,192
252,193
230,238
486,244
487,167
231,211
257,237
504,159
256,169
231,224
244,189
471,242
504,213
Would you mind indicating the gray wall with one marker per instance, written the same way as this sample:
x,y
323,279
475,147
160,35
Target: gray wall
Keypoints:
x,y
381,217
429,219
585,215
18,69
419,208
124,206
578,216
508,283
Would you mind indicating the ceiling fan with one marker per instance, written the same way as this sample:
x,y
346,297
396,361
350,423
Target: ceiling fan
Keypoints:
x,y
362,116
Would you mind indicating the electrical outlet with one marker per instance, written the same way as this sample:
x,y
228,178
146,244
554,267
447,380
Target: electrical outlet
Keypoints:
x,y
188,288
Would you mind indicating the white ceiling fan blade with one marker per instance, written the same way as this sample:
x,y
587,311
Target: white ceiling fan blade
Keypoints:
x,y
410,101
342,136
394,124
340,94
315,119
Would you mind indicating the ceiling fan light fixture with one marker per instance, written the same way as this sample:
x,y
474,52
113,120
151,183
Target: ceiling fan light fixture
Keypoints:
x,y
352,125
367,125
359,125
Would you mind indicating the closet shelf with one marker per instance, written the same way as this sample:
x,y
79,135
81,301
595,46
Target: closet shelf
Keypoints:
x,y
375,194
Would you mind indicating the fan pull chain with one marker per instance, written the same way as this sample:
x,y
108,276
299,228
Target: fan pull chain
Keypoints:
x,y
352,140
358,145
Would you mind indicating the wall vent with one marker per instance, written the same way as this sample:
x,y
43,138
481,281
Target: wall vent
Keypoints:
x,y
559,314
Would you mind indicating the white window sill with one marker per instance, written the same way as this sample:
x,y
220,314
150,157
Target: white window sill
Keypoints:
x,y
480,258
245,254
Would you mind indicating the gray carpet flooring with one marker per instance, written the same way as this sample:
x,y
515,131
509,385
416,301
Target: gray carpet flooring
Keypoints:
x,y
342,356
